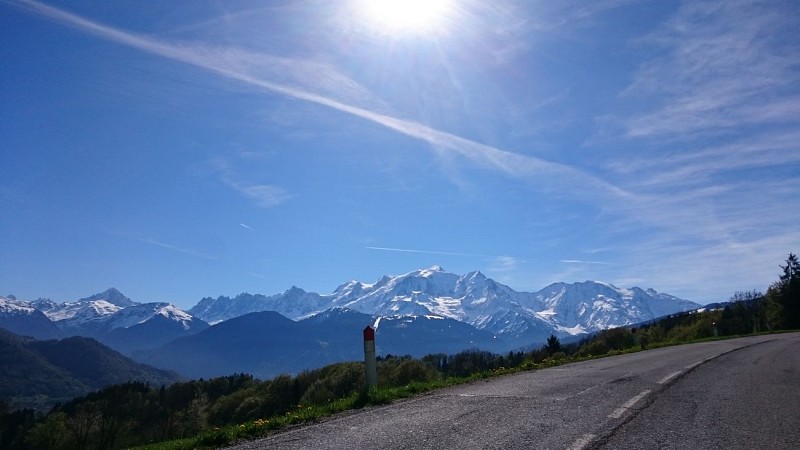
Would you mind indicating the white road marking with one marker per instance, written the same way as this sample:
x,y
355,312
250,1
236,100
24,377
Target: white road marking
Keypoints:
x,y
666,379
582,442
621,410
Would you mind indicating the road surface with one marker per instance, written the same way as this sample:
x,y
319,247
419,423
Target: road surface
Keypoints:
x,y
733,394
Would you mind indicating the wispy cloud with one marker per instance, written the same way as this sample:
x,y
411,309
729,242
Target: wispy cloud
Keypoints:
x,y
716,135
504,264
173,248
722,69
714,263
567,14
772,149
264,195
296,79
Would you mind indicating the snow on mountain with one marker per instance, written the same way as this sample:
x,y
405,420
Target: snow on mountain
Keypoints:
x,y
82,315
295,303
119,322
416,293
43,304
140,313
86,315
12,306
22,318
593,305
473,298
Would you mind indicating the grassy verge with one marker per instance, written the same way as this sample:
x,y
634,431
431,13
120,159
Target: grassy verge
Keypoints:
x,y
221,436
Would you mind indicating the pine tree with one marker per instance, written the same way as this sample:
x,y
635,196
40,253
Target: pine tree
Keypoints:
x,y
553,345
791,271
783,297
790,292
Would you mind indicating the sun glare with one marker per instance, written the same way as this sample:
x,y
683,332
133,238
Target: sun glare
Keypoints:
x,y
406,15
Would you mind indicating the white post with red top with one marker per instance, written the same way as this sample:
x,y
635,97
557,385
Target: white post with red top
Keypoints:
x,y
370,363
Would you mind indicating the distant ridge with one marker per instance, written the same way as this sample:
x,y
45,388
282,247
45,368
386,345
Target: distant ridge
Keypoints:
x,y
37,374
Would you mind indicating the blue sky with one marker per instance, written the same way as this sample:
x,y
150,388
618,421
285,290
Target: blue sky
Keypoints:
x,y
179,150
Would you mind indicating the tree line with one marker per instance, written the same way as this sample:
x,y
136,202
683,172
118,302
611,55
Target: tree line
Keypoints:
x,y
136,413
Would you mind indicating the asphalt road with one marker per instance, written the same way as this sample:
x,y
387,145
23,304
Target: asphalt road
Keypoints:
x,y
733,394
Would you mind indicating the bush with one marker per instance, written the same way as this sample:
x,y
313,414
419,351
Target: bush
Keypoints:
x,y
408,371
594,348
317,394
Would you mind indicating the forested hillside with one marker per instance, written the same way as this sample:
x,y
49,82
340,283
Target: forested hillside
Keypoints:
x,y
39,374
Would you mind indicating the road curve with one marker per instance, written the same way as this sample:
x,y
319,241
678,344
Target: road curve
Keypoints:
x,y
738,393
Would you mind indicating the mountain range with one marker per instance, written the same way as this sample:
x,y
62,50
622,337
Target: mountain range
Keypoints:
x,y
561,308
421,312
110,317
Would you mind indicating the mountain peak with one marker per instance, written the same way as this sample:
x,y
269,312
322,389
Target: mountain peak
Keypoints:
x,y
113,296
429,272
476,274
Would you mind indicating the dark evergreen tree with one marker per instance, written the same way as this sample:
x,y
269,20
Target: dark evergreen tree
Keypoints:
x,y
553,345
789,293
791,271
783,297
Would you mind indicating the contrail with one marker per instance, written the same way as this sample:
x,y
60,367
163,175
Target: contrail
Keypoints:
x,y
578,261
173,247
431,252
225,61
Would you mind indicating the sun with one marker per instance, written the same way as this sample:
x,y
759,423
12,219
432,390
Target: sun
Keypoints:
x,y
406,15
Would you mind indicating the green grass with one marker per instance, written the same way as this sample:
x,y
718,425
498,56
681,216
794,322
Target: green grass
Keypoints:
x,y
221,436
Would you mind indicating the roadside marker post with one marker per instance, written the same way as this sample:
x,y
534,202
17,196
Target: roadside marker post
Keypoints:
x,y
370,362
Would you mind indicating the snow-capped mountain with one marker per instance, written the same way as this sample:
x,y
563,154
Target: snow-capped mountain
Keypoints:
x,y
81,317
12,306
22,318
592,305
119,322
561,308
86,316
295,303
472,298
140,313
